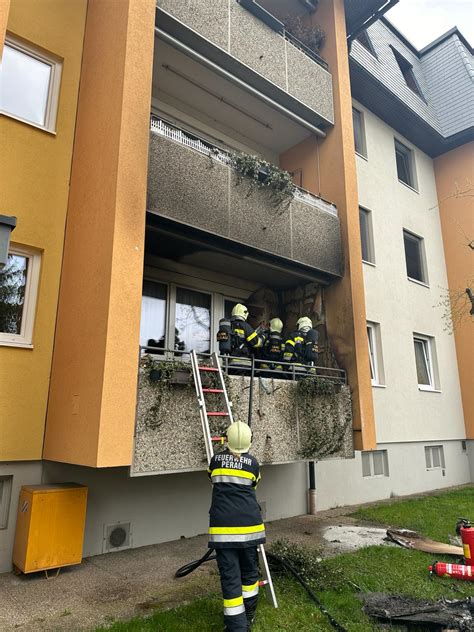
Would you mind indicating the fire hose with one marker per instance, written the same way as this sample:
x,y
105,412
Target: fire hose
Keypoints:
x,y
275,560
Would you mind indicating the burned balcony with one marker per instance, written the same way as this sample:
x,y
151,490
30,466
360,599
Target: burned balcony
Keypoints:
x,y
295,416
193,183
248,43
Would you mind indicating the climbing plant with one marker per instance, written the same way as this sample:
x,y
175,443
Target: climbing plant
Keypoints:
x,y
319,407
260,174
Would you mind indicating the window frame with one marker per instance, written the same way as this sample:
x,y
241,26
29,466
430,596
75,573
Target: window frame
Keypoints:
x,y
422,257
406,68
369,234
427,343
25,337
6,482
429,450
54,87
369,47
362,152
409,154
375,354
367,457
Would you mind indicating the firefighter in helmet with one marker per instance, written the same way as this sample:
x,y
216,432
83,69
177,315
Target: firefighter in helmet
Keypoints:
x,y
301,347
237,338
236,527
273,346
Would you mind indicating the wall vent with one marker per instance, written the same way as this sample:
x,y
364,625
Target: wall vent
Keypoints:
x,y
117,537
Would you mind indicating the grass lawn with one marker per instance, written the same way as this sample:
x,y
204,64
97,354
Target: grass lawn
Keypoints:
x,y
338,580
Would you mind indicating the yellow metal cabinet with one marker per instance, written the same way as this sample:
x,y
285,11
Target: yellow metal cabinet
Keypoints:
x,y
50,526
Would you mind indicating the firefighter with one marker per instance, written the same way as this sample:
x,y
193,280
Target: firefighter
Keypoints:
x,y
273,347
301,347
237,338
236,526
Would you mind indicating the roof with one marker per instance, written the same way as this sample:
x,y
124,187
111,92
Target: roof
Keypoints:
x,y
439,119
359,11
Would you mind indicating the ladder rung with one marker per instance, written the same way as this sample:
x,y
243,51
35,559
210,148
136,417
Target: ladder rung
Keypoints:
x,y
214,414
207,368
212,390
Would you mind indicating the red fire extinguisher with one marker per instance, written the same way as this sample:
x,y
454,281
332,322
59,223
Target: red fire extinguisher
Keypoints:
x,y
456,571
465,530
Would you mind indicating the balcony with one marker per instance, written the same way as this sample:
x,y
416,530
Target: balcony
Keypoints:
x,y
192,182
289,424
242,38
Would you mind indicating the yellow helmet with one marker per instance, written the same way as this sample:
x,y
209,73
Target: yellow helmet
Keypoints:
x,y
241,311
276,325
239,437
304,323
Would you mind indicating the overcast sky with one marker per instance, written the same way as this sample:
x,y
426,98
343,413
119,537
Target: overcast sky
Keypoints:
x,y
422,21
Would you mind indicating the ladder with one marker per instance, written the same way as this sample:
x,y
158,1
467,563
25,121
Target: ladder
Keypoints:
x,y
216,369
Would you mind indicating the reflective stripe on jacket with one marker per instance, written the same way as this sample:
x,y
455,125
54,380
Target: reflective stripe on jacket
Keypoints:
x,y
235,519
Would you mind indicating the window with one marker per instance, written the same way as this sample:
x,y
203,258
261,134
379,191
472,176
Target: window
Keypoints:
x,y
18,290
5,497
364,39
359,132
175,318
414,257
463,446
375,356
29,84
425,362
366,235
407,71
434,457
375,463
405,164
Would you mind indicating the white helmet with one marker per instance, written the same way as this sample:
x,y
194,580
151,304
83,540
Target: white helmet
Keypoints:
x,y
276,325
240,311
239,437
304,323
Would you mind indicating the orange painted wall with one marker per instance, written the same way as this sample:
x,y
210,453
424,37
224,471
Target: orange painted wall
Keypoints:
x,y
331,173
455,171
4,9
35,166
91,412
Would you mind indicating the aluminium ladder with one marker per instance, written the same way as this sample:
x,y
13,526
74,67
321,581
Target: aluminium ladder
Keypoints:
x,y
204,414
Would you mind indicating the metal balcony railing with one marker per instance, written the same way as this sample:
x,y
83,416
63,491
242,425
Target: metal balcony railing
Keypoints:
x,y
253,367
164,128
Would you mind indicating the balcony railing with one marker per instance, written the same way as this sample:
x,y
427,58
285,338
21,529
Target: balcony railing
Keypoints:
x,y
270,20
159,126
253,366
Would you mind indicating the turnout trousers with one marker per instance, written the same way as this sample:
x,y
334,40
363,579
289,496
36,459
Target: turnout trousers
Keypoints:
x,y
238,569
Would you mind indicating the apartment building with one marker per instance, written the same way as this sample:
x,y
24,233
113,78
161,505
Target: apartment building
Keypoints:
x,y
156,105
413,133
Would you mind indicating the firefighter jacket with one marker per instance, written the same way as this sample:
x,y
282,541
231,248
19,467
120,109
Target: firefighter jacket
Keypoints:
x,y
235,519
244,338
302,347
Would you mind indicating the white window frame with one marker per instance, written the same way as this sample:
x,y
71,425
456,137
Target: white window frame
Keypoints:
x,y
370,236
6,483
368,457
375,353
421,245
429,450
51,110
428,354
25,337
363,150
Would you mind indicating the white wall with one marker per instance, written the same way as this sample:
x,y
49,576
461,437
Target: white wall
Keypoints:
x,y
402,307
24,473
340,482
166,507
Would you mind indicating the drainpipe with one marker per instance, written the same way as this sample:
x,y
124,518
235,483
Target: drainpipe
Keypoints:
x,y
312,489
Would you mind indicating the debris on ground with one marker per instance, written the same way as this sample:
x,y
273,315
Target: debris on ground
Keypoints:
x,y
451,614
352,538
413,540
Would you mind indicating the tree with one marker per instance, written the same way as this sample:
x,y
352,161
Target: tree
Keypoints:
x,y
12,294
